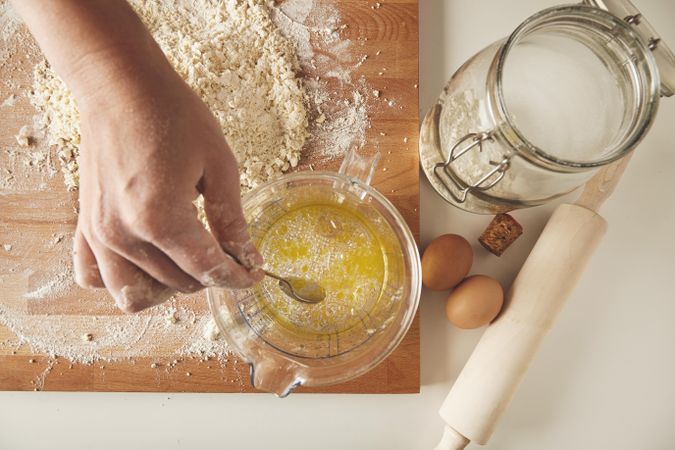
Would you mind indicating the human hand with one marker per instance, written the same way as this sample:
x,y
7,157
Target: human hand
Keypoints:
x,y
149,146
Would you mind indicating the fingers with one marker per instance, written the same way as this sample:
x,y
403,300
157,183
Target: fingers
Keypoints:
x,y
132,289
246,254
159,266
197,252
222,204
84,263
145,256
179,255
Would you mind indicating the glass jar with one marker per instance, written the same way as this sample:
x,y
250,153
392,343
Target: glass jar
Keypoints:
x,y
534,116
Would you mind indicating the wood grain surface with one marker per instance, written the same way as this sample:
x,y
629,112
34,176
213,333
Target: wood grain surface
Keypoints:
x,y
36,210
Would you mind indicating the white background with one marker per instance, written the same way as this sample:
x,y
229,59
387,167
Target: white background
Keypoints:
x,y
604,379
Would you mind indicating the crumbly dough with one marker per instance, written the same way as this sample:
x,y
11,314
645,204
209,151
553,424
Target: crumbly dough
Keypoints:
x,y
232,54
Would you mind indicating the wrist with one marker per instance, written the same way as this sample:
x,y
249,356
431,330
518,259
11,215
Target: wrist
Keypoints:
x,y
95,46
119,72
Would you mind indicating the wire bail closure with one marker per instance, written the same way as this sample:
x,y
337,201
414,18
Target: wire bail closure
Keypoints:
x,y
476,141
663,55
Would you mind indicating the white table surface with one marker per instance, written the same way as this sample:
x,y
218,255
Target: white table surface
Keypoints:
x,y
604,378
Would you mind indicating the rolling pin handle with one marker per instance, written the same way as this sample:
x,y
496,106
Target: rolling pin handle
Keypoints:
x,y
452,440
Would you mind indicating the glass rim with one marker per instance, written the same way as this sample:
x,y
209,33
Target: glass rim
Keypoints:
x,y
648,98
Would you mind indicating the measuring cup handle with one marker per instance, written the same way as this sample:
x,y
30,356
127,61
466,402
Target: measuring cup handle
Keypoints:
x,y
358,166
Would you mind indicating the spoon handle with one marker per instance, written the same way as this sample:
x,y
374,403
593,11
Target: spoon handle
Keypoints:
x,y
276,277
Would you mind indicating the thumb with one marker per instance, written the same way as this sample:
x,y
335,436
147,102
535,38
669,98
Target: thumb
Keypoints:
x,y
222,204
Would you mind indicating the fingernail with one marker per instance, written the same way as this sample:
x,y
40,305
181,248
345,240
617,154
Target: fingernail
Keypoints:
x,y
251,258
227,275
84,280
217,276
257,274
246,253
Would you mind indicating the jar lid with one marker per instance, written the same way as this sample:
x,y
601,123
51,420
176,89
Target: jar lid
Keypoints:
x,y
665,60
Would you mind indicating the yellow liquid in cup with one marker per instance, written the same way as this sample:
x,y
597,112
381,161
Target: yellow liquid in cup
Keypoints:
x,y
334,246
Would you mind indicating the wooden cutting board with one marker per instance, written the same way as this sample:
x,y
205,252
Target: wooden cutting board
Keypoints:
x,y
37,219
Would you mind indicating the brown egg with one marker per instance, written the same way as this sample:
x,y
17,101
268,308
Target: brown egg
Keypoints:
x,y
446,261
475,302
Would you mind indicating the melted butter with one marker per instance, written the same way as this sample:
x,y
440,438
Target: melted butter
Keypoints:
x,y
337,248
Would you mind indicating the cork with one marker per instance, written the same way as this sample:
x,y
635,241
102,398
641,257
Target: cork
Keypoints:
x,y
500,234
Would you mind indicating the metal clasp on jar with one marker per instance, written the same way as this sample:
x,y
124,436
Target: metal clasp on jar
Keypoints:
x,y
463,146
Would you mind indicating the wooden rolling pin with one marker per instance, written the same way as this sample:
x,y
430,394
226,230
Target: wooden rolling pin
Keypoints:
x,y
492,374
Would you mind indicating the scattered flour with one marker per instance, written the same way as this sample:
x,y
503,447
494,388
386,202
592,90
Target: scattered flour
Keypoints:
x,y
173,329
113,337
9,101
9,21
338,123
55,286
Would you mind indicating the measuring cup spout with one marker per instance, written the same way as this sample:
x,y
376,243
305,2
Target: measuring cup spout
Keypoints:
x,y
358,166
275,376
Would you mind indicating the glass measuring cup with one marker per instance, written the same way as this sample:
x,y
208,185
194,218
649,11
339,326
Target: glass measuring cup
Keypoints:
x,y
345,230
535,115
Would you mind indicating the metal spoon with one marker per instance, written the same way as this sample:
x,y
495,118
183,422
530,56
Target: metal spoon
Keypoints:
x,y
300,289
